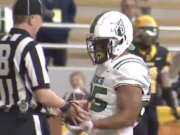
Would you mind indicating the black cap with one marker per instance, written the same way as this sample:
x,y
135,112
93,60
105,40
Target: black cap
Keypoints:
x,y
31,7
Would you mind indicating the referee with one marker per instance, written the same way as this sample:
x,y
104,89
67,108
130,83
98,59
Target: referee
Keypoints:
x,y
25,94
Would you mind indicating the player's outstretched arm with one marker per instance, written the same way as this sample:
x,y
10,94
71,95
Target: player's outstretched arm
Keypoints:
x,y
167,90
37,72
129,102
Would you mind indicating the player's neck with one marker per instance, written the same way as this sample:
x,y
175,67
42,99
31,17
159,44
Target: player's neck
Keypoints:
x,y
124,53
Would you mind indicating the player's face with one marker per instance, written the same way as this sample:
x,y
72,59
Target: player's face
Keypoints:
x,y
101,50
145,36
98,50
77,82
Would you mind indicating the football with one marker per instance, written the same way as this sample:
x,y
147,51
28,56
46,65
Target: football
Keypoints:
x,y
77,95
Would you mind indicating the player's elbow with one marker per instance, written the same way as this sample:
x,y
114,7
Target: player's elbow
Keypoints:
x,y
129,120
124,120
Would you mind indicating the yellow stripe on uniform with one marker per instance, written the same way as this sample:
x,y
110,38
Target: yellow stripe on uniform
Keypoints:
x,y
169,58
89,105
153,73
165,69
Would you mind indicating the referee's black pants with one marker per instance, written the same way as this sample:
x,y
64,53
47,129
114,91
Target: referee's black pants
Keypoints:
x,y
12,124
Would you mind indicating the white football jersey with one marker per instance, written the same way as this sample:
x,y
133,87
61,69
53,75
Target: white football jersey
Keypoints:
x,y
126,70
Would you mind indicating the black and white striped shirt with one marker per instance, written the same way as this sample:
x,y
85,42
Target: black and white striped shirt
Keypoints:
x,y
22,69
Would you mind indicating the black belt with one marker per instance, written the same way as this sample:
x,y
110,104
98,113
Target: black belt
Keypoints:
x,y
9,109
20,117
15,108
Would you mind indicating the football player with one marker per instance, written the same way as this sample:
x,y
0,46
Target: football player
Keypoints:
x,y
120,86
158,59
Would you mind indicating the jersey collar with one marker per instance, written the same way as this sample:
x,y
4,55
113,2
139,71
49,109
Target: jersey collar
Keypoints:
x,y
20,31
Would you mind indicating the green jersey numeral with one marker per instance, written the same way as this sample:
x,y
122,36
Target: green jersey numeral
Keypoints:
x,y
98,105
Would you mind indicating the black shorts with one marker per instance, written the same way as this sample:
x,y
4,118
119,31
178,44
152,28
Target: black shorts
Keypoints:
x,y
29,124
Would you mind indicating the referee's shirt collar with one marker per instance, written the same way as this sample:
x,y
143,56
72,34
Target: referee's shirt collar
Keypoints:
x,y
20,31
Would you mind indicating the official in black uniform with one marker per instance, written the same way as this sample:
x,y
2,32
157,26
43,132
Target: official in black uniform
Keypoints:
x,y
25,94
158,59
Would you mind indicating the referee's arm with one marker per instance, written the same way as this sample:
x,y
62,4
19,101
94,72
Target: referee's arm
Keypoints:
x,y
37,71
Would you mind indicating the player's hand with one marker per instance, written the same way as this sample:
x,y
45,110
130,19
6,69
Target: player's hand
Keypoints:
x,y
87,126
175,113
57,114
75,113
60,119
